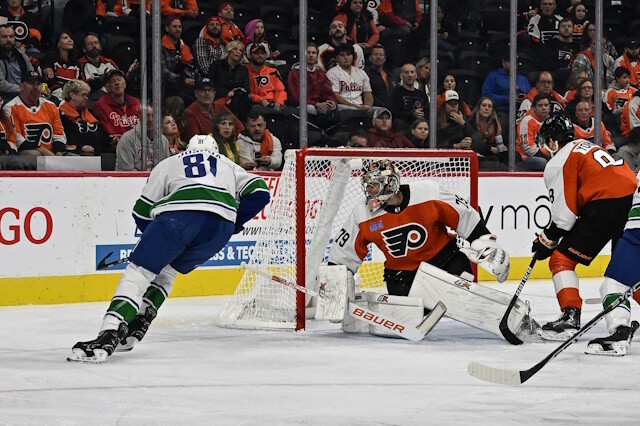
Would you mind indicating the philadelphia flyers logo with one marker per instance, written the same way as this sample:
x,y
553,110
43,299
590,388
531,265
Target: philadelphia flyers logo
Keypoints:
x,y
21,29
84,127
38,133
403,238
262,80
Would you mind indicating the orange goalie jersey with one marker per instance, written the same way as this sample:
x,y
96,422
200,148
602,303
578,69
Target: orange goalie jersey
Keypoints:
x,y
581,172
408,234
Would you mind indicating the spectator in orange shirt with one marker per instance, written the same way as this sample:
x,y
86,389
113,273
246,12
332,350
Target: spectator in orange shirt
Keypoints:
x,y
534,157
267,89
230,31
36,121
583,126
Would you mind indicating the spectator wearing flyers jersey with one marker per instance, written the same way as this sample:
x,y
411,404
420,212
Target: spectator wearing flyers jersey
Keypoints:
x,y
117,111
61,64
230,31
544,86
584,126
36,121
84,134
616,97
27,25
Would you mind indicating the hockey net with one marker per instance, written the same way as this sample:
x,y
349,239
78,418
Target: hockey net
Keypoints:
x,y
317,190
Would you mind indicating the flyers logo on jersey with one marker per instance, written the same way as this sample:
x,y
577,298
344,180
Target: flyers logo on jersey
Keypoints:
x,y
38,133
20,28
84,127
403,238
262,80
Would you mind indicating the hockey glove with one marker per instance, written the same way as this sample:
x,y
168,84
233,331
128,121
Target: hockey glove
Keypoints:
x,y
486,252
543,246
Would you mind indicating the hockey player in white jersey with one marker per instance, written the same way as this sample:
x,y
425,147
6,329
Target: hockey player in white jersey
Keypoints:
x,y
409,224
622,273
190,207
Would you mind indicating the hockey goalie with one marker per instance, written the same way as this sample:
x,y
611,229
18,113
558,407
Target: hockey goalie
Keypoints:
x,y
410,224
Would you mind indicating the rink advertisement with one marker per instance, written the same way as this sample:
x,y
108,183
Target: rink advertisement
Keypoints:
x,y
56,228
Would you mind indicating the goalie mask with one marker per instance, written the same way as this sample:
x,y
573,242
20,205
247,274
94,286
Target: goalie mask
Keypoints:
x,y
379,182
559,128
203,143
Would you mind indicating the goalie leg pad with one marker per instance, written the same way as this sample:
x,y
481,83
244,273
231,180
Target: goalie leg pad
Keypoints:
x,y
406,310
335,282
467,301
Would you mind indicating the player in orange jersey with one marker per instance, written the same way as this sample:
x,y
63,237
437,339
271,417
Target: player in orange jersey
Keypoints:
x,y
590,194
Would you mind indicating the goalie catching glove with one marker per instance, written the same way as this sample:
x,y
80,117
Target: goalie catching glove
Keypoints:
x,y
543,246
486,252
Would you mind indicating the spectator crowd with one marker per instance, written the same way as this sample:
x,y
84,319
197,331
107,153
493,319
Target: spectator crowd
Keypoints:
x,y
71,86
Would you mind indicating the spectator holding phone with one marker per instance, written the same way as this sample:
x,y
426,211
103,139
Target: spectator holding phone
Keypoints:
x,y
259,149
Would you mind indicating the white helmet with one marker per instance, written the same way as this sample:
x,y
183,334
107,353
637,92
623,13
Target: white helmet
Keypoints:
x,y
203,143
383,174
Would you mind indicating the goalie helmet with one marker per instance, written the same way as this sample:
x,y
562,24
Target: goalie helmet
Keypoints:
x,y
203,143
559,128
383,174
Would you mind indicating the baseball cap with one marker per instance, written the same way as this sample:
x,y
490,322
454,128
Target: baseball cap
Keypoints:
x,y
31,77
111,74
451,95
169,19
254,47
633,43
379,111
203,82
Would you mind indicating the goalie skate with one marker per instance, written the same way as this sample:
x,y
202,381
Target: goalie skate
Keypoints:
x,y
615,345
96,351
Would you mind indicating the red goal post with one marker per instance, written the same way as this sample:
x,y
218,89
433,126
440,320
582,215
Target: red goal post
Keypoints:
x,y
317,190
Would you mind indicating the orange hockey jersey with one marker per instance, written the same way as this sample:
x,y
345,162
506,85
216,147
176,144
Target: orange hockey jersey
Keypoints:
x,y
35,127
581,172
588,133
406,236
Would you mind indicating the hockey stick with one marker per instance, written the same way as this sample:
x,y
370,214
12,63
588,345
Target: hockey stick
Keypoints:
x,y
406,331
103,264
504,376
504,327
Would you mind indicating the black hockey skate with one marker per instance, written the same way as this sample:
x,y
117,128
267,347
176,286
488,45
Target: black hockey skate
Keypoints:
x,y
137,329
97,351
563,327
615,345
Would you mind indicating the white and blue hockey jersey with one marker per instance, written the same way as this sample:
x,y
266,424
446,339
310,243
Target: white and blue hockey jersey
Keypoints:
x,y
199,180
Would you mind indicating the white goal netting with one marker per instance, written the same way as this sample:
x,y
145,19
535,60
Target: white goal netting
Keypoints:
x,y
317,190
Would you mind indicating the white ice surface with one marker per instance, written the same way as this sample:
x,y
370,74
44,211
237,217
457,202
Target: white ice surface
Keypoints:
x,y
187,371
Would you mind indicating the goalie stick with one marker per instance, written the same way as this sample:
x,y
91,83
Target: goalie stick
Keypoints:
x,y
505,376
374,318
504,327
103,264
